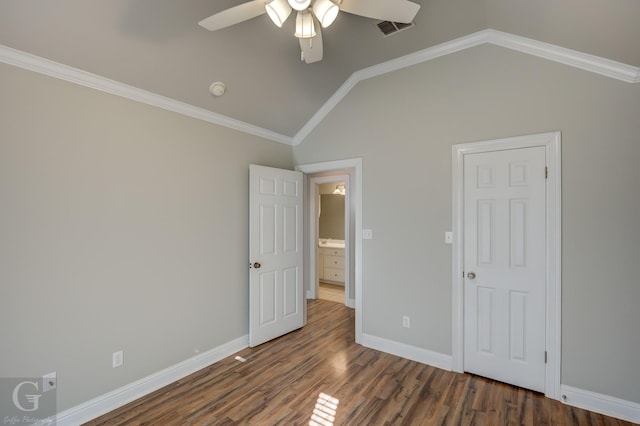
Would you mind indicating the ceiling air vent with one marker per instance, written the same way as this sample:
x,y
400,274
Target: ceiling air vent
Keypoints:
x,y
388,27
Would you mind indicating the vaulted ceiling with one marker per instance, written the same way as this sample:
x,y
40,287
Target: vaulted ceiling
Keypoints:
x,y
156,45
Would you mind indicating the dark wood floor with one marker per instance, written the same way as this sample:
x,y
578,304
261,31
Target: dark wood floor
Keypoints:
x,y
319,376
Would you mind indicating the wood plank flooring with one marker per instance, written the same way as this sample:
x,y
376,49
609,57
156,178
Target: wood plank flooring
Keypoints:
x,y
331,292
318,376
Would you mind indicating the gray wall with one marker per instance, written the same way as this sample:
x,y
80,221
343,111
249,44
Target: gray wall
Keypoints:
x,y
403,125
331,222
122,226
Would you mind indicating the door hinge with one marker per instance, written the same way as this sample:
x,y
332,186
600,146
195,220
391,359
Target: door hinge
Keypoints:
x,y
545,357
546,172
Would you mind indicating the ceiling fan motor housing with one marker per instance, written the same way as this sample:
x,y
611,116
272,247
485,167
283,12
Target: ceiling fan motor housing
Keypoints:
x,y
299,4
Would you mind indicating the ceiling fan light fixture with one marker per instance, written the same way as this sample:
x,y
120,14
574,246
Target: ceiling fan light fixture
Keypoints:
x,y
278,11
326,11
304,25
299,4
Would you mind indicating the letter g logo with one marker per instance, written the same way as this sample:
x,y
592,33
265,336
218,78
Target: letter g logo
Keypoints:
x,y
33,399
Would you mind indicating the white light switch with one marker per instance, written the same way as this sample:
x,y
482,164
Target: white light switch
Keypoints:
x,y
367,234
448,237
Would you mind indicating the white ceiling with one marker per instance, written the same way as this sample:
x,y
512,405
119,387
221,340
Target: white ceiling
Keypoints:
x,y
156,45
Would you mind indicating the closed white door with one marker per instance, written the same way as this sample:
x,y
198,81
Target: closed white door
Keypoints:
x,y
275,253
504,266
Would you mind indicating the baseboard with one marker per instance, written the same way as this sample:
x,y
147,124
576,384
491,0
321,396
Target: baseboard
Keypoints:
x,y
599,403
110,401
424,356
592,401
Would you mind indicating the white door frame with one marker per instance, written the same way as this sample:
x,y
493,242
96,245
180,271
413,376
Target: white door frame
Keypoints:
x,y
313,234
552,143
354,164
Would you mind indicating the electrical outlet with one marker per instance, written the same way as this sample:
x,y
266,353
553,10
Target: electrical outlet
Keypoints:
x,y
49,382
367,234
117,359
406,322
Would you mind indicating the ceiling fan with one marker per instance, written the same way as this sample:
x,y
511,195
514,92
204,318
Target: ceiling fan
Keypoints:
x,y
310,13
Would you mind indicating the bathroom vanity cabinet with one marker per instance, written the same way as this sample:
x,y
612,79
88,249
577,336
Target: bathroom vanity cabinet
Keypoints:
x,y
331,265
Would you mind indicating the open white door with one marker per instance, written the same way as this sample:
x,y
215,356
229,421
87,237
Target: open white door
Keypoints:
x,y
275,253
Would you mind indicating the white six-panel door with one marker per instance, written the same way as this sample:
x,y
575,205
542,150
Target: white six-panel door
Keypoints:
x,y
275,244
504,266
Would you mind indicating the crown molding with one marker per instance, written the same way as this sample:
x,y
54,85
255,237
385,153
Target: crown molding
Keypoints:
x,y
83,78
584,61
573,58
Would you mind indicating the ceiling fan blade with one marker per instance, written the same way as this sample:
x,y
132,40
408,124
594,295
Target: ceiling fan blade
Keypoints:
x,y
385,10
312,47
234,15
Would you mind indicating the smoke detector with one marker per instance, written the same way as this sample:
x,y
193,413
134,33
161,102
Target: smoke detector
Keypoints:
x,y
217,89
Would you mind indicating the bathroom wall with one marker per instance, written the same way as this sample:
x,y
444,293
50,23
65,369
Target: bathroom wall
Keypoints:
x,y
331,222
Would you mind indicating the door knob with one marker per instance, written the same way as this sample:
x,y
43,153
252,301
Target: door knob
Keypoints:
x,y
471,275
257,265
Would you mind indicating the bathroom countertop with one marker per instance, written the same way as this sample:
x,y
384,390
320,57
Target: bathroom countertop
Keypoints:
x,y
331,243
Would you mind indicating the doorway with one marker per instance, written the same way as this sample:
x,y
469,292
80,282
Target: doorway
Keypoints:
x,y
484,175
332,213
351,170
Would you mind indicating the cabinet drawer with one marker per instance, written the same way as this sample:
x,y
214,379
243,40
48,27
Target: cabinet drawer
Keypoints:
x,y
333,274
334,262
331,251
